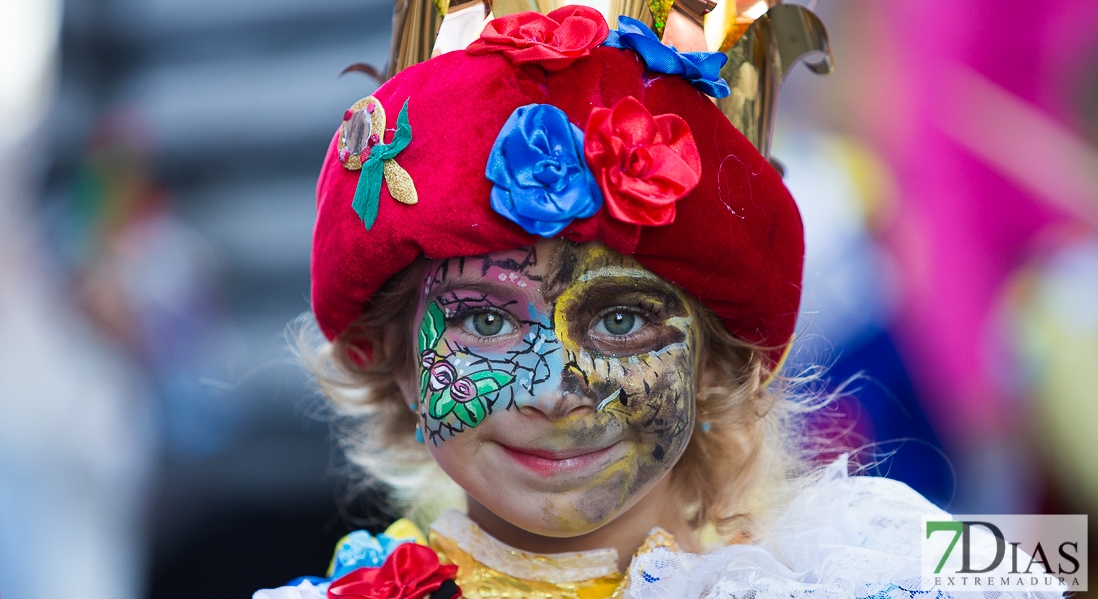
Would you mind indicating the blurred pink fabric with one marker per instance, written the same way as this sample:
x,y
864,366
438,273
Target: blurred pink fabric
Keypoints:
x,y
964,225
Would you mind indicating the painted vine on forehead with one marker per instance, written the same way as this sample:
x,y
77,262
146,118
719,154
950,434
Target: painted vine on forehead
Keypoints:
x,y
466,396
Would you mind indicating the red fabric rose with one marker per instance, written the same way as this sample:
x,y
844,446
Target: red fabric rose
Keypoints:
x,y
553,41
411,572
644,164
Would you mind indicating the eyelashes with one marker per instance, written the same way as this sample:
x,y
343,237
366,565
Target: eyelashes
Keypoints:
x,y
619,321
613,330
627,331
484,325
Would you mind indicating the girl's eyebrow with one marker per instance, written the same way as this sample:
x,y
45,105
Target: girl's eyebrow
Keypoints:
x,y
487,287
617,272
635,279
611,285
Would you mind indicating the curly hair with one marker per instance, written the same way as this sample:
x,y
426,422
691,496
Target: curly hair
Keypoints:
x,y
742,456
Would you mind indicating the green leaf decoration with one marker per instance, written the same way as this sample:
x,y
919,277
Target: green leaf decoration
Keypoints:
x,y
441,404
432,327
423,382
490,381
471,413
368,192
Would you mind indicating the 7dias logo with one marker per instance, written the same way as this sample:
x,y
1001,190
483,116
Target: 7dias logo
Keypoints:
x,y
1005,553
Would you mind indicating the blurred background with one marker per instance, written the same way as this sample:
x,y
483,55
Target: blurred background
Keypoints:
x,y
157,166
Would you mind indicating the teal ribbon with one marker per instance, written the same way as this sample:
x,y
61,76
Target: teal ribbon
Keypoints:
x,y
368,193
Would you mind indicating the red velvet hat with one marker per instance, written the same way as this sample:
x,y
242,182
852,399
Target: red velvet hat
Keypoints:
x,y
681,189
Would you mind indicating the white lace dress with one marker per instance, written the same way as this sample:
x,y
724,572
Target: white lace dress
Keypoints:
x,y
843,537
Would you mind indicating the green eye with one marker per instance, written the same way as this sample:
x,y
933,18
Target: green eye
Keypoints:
x,y
487,324
619,323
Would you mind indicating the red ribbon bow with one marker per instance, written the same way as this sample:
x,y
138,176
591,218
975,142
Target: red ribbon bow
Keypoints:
x,y
411,572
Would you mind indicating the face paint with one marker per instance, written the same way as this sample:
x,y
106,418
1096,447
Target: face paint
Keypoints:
x,y
571,378
628,334
508,365
443,388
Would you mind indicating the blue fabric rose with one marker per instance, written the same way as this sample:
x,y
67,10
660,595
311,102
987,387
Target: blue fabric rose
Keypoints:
x,y
701,69
541,179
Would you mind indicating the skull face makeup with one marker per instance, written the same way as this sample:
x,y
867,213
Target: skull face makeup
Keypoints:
x,y
556,382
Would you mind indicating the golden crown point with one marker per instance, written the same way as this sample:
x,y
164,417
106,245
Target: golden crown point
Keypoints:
x,y
762,54
763,40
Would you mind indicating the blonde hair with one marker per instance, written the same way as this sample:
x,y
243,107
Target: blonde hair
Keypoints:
x,y
739,464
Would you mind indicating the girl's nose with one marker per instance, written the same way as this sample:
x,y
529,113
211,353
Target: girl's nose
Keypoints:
x,y
561,394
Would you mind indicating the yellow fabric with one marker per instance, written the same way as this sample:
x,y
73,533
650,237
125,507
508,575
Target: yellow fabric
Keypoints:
x,y
478,581
405,529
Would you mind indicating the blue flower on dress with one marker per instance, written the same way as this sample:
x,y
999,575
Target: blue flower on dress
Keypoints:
x,y
541,179
701,69
359,549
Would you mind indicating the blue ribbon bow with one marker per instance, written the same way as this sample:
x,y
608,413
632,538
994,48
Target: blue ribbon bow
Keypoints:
x,y
701,69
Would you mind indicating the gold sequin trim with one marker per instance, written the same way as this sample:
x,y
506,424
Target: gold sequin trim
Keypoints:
x,y
478,581
659,9
400,183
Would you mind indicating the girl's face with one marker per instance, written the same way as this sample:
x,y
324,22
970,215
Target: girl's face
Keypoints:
x,y
556,383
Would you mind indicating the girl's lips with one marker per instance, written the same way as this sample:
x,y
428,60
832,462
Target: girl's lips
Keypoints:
x,y
550,463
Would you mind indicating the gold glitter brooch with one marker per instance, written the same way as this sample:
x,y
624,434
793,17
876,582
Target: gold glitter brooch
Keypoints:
x,y
361,149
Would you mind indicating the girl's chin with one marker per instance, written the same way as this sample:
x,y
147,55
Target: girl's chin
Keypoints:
x,y
569,511
550,522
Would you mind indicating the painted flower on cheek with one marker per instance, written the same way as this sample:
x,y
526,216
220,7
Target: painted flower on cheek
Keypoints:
x,y
463,390
541,182
444,393
427,358
644,163
442,376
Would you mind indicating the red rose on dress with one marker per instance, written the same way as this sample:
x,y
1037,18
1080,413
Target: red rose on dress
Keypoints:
x,y
553,41
411,572
643,163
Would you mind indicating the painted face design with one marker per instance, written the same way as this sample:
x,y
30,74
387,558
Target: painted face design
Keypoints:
x,y
567,372
447,391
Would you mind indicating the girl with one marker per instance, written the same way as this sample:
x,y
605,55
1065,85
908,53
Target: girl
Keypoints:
x,y
550,271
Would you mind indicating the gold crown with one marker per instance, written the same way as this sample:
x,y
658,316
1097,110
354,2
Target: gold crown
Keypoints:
x,y
763,41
